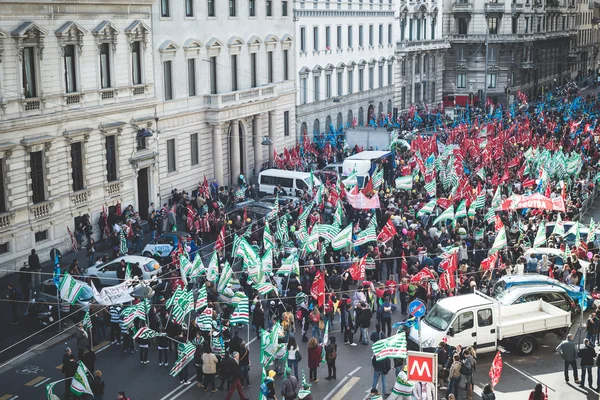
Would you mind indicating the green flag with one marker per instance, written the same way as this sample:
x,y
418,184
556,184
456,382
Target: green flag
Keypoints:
x,y
540,237
377,178
559,226
427,208
80,384
446,215
404,182
343,239
461,210
369,234
87,321
500,242
393,347
591,236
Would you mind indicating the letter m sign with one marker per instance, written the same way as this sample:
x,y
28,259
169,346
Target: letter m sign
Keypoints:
x,y
422,367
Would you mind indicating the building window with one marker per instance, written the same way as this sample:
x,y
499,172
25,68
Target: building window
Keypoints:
x,y
350,81
515,25
105,78
390,74
380,73
136,65
211,8
361,80
29,72
303,40
350,36
463,26
339,37
253,70
418,28
491,81
70,68
410,29
371,77
3,207
389,33
317,87
213,75
433,61
433,22
168,80
77,166
402,28
270,66
371,35
360,36
286,65
381,34
286,123
191,77
328,86
41,236
327,38
234,73
315,38
403,68
340,83
284,8
189,8
36,164
461,81
4,248
433,94
164,9
111,158
171,164
195,159
493,25
403,99
252,8
232,8
303,90
269,8
492,54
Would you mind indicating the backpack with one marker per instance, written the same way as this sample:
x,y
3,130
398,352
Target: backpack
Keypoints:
x,y
387,366
465,367
264,389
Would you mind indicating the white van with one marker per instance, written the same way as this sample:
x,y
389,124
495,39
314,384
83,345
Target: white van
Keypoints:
x,y
364,163
290,181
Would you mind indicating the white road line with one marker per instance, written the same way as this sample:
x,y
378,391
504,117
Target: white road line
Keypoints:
x,y
41,382
167,396
191,385
533,379
14,398
104,348
354,370
250,342
335,389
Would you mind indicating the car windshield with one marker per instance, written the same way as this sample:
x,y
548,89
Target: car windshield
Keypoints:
x,y
504,297
499,288
439,318
149,266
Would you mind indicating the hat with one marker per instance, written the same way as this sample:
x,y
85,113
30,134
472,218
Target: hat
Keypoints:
x,y
272,374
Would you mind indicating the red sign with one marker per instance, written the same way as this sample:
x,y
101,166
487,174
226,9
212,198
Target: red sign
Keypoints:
x,y
421,367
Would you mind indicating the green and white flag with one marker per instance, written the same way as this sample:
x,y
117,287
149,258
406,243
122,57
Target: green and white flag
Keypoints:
x,y
377,178
481,173
540,237
325,341
224,277
50,391
69,288
431,188
185,355
427,208
574,230
343,239
404,182
289,265
241,314
80,384
500,242
87,321
591,236
128,272
146,333
393,347
213,268
202,300
264,288
183,306
205,320
327,232
337,216
268,240
461,210
312,240
559,226
446,215
479,234
369,234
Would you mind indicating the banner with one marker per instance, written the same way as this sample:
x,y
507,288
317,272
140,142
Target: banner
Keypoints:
x,y
536,200
362,202
110,295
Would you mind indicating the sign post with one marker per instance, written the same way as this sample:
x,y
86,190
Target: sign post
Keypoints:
x,y
422,368
417,309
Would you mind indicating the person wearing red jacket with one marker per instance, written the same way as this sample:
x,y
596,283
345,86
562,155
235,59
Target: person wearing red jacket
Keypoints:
x,y
391,286
314,358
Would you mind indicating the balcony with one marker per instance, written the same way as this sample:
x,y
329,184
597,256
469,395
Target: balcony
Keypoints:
x,y
516,8
32,104
527,65
113,188
418,45
81,198
494,8
239,97
462,8
71,99
6,220
41,210
512,38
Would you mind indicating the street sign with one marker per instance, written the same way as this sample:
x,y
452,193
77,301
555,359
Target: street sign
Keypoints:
x,y
422,367
55,255
417,308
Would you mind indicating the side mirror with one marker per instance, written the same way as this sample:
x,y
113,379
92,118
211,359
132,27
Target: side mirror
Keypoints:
x,y
450,331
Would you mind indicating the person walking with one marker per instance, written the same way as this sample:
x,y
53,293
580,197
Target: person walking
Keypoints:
x,y
568,351
538,393
143,344
380,369
90,251
36,269
163,348
467,370
83,341
488,393
25,281
244,364
316,321
13,298
455,376
267,388
209,368
234,376
97,386
289,385
592,328
69,369
587,355
330,357
115,328
314,358
293,355
89,359
363,321
385,310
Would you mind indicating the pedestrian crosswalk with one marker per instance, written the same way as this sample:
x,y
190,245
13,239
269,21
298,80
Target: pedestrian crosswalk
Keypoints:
x,y
35,382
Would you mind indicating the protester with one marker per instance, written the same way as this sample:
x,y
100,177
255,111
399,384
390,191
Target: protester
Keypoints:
x,y
587,355
97,385
380,369
314,358
455,376
568,351
294,356
268,386
289,385
488,393
330,357
537,393
209,369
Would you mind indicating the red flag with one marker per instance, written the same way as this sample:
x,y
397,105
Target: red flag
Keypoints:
x,y
529,182
489,262
368,189
496,369
424,274
118,208
450,266
498,222
388,232
220,242
317,290
357,271
404,266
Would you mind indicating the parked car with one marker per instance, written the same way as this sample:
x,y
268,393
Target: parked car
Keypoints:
x,y
165,244
555,295
509,281
106,274
282,200
48,295
255,210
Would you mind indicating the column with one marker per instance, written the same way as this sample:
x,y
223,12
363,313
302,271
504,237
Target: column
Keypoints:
x,y
271,136
412,79
423,77
218,153
234,151
256,140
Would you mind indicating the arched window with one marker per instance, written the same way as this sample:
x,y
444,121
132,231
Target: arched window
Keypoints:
x,y
349,123
389,107
380,110
328,123
361,117
340,121
316,127
303,128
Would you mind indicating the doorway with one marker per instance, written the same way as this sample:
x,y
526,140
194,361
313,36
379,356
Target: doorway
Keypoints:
x,y
143,194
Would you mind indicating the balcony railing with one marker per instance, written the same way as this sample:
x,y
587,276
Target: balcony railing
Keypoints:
x,y
423,45
41,210
6,219
462,7
494,7
73,98
239,97
81,198
113,188
32,104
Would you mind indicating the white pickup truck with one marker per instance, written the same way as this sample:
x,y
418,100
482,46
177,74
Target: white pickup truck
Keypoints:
x,y
480,321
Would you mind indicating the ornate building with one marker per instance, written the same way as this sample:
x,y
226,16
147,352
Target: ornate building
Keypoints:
x,y
74,91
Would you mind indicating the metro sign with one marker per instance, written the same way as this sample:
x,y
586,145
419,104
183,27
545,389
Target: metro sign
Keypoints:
x,y
422,367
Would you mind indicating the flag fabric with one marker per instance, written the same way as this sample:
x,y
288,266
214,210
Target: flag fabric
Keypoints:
x,y
393,347
342,239
489,262
212,273
388,232
264,288
446,215
145,333
70,288
80,384
289,265
183,306
50,391
540,237
268,240
202,300
500,241
224,277
357,270
220,242
591,236
205,319
461,210
327,232
404,182
185,355
317,290
128,272
241,314
87,321
431,188
377,178
496,369
427,208
339,213
424,274
369,234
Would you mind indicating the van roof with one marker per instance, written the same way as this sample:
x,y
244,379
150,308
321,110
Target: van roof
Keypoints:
x,y
284,173
457,303
368,155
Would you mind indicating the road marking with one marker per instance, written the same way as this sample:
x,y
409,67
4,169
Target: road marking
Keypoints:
x,y
250,342
35,380
191,385
57,367
104,348
41,383
344,379
526,375
6,397
354,370
101,345
167,396
340,395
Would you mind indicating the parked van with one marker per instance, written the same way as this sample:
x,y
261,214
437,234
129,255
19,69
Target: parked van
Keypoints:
x,y
290,181
365,163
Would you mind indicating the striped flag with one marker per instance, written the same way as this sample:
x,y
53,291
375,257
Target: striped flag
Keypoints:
x,y
500,242
404,182
427,208
343,238
393,347
202,300
540,237
325,341
185,355
369,234
87,321
268,240
431,188
289,265
80,384
139,310
312,241
327,232
559,226
377,178
212,273
224,277
183,306
241,314
264,288
591,236
446,215
70,288
146,333
205,319
461,210
337,216
50,391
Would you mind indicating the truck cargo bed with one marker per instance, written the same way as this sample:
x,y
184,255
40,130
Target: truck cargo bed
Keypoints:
x,y
530,318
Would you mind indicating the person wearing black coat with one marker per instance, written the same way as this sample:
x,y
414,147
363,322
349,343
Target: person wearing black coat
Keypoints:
x,y
70,368
258,318
97,386
587,355
89,359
